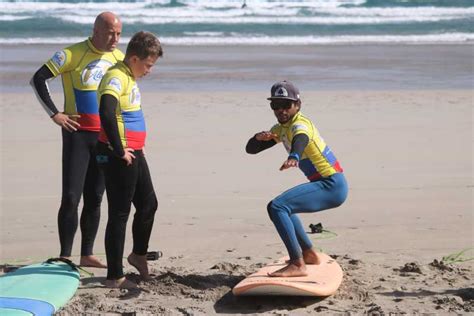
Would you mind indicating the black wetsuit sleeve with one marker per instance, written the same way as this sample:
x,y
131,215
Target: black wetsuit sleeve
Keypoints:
x,y
40,86
255,146
298,145
108,120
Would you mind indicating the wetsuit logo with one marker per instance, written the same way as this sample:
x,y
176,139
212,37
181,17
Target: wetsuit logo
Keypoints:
x,y
135,97
59,59
298,127
94,71
115,84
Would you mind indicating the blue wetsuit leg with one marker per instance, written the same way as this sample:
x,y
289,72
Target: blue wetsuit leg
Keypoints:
x,y
309,197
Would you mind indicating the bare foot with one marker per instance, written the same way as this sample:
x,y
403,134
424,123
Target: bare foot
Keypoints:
x,y
295,268
140,263
121,283
92,262
310,256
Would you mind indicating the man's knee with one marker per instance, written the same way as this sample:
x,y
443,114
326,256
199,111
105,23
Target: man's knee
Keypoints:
x,y
274,208
339,198
70,200
150,205
154,204
93,200
269,210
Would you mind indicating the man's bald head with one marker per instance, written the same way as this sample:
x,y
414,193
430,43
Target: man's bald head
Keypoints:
x,y
106,19
107,31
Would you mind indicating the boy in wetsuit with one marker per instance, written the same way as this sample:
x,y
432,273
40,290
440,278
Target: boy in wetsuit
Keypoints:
x,y
308,151
120,147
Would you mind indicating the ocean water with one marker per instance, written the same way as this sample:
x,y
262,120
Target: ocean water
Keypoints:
x,y
250,22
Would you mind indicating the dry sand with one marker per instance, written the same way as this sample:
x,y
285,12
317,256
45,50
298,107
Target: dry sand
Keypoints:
x,y
407,156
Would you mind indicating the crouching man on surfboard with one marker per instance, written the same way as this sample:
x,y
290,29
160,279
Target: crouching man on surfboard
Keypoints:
x,y
308,151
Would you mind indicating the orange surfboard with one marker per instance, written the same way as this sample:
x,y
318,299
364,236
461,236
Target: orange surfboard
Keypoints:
x,y
322,280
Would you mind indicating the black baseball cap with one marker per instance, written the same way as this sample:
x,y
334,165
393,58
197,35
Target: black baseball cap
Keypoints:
x,y
284,90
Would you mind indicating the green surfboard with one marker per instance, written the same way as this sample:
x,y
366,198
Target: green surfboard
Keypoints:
x,y
38,289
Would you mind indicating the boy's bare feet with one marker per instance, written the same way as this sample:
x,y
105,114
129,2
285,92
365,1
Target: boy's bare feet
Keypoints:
x,y
92,262
295,268
121,283
310,256
140,263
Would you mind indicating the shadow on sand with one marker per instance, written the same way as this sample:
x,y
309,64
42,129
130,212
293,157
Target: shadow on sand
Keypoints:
x,y
231,304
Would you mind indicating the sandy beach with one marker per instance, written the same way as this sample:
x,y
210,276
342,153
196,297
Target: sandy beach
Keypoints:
x,y
403,132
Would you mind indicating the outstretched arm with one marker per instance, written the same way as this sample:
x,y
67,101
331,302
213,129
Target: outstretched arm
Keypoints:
x,y
260,142
298,145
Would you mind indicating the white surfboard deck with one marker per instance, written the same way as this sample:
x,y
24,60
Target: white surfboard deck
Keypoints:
x,y
322,280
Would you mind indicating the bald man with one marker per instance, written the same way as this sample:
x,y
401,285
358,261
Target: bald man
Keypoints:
x,y
81,67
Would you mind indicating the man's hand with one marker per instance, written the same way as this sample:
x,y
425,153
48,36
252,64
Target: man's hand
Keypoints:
x,y
128,156
266,136
68,122
289,163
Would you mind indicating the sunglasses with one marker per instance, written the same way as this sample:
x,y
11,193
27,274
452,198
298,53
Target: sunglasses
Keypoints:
x,y
281,104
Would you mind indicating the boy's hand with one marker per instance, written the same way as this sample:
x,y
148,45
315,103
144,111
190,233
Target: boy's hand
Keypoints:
x,y
266,136
128,156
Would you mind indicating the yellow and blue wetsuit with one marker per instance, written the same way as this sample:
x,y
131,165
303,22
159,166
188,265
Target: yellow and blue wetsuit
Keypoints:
x,y
317,160
120,84
327,187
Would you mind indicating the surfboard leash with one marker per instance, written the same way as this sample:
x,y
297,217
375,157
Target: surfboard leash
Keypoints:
x,y
322,233
458,256
71,264
150,256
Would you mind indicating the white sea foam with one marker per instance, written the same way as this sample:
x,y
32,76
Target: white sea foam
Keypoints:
x,y
323,40
7,17
203,22
397,11
228,20
198,5
466,38
202,34
204,9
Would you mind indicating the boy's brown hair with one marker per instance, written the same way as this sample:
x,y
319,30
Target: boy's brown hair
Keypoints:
x,y
144,44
